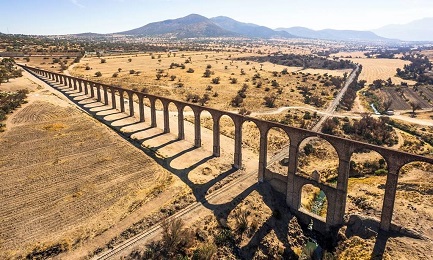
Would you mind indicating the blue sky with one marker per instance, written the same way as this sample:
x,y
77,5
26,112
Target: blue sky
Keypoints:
x,y
106,16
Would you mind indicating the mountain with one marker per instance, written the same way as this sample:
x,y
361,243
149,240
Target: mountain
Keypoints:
x,y
419,30
88,34
249,29
330,34
190,26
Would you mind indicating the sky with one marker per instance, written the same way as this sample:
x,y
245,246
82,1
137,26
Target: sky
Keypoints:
x,y
47,17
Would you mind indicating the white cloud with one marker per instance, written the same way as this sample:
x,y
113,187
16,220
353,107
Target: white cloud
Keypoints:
x,y
75,2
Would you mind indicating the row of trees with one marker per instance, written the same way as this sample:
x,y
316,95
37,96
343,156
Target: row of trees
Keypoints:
x,y
417,69
10,101
8,70
368,129
305,61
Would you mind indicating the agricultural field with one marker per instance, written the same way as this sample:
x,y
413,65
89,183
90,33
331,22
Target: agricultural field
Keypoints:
x,y
64,180
48,62
402,97
429,54
373,69
349,55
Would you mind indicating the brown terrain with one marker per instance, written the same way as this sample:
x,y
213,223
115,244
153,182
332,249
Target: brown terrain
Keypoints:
x,y
73,186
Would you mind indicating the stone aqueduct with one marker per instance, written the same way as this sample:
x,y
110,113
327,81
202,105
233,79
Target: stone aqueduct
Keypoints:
x,y
291,185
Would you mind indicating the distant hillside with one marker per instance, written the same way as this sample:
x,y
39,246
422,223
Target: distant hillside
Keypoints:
x,y
419,30
89,34
190,26
330,34
248,29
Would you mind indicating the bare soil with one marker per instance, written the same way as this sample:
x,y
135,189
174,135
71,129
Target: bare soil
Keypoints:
x,y
62,182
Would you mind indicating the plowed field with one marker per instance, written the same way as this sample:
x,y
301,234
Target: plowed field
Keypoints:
x,y
64,178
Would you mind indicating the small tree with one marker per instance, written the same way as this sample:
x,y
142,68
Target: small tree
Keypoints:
x,y
103,60
386,104
207,73
270,101
158,76
204,99
308,149
216,80
129,60
237,101
98,74
415,106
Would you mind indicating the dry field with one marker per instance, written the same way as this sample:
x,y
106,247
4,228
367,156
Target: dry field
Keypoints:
x,y
222,65
64,179
373,69
428,53
46,62
352,54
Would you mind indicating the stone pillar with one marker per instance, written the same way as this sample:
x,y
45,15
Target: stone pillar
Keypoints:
x,y
75,85
389,199
216,136
131,102
122,101
180,123
263,154
83,86
166,117
98,92
337,207
92,89
65,80
69,82
105,88
61,79
113,97
237,163
197,129
292,199
141,107
152,112
57,78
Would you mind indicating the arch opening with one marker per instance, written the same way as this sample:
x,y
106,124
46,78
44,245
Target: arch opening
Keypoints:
x,y
277,141
367,177
227,143
413,205
314,200
318,160
250,145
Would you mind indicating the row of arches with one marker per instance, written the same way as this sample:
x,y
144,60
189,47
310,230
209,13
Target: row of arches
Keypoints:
x,y
296,142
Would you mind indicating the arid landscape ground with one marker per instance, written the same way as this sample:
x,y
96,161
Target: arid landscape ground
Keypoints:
x,y
80,178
